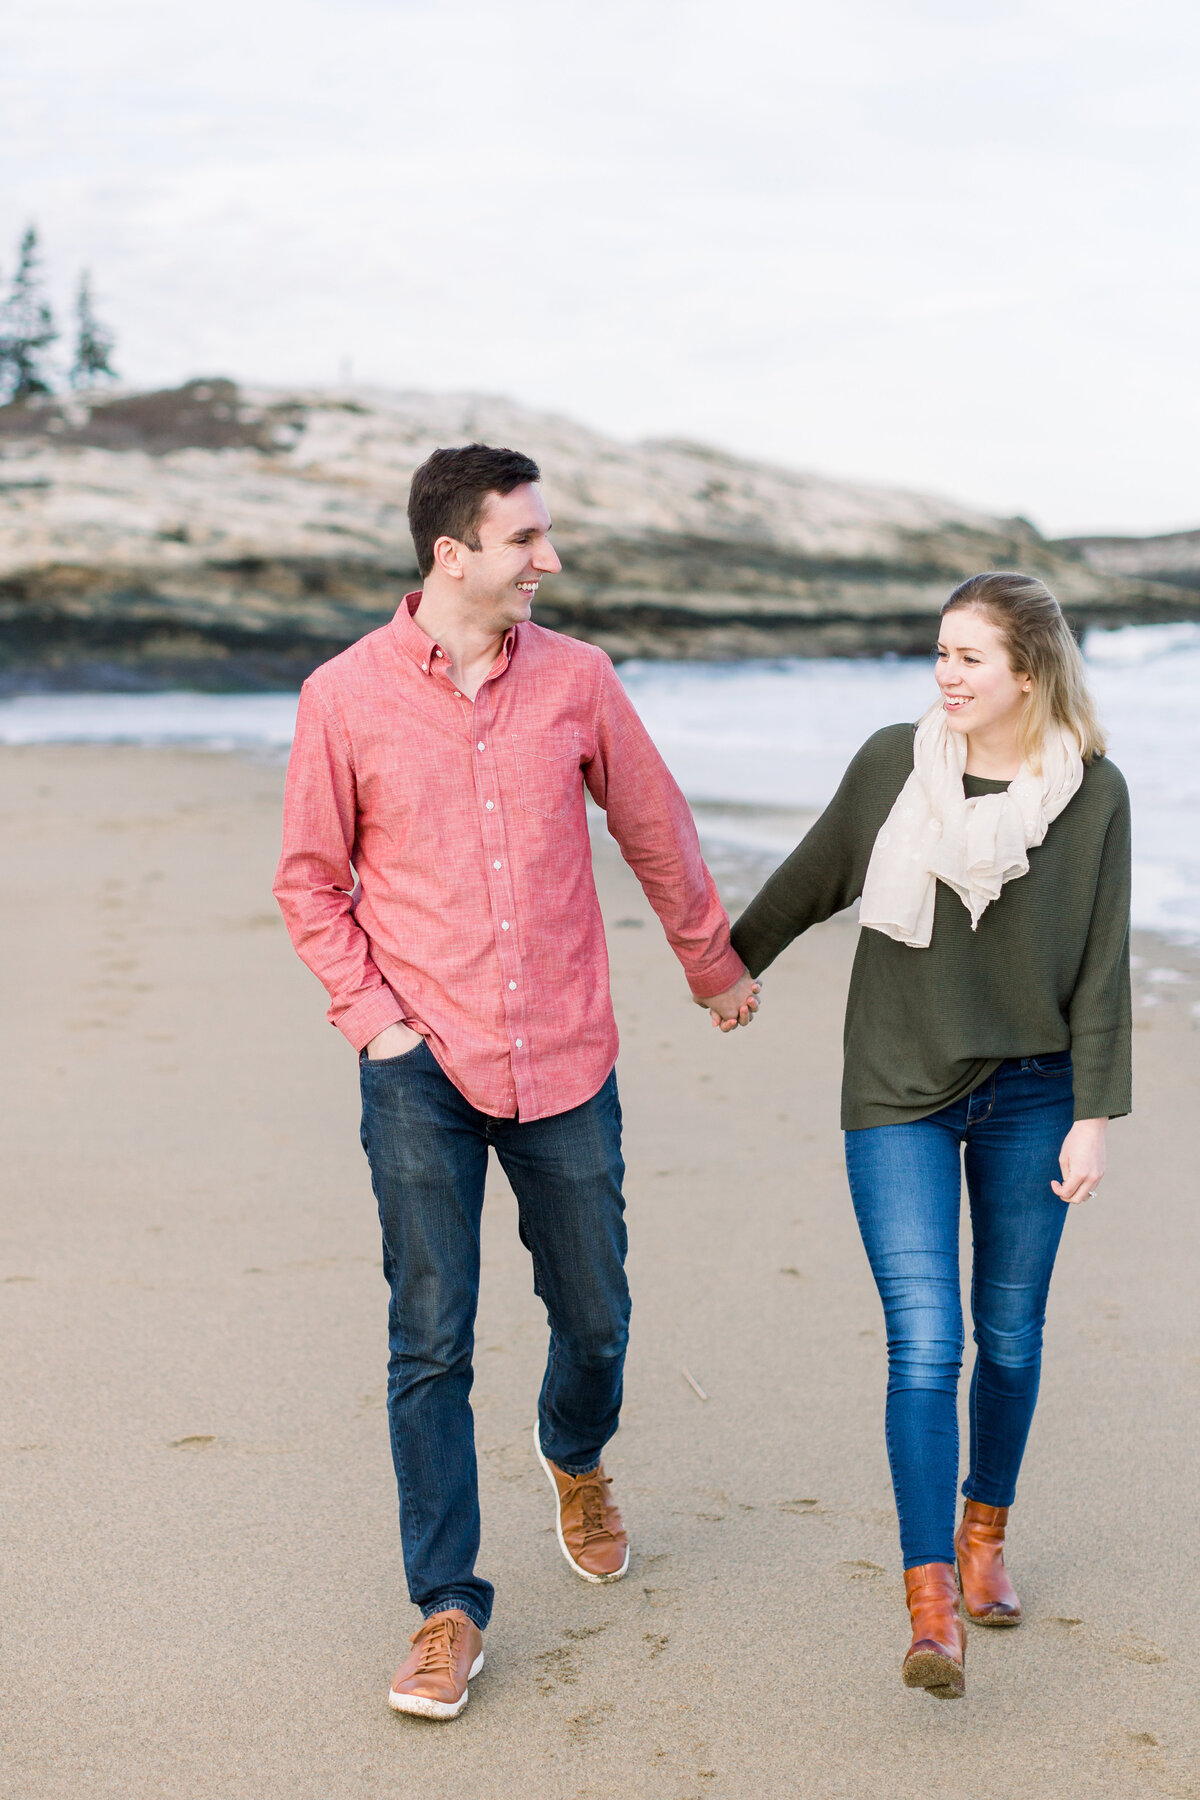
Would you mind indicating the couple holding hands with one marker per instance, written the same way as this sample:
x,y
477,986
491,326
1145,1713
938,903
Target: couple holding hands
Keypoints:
x,y
436,876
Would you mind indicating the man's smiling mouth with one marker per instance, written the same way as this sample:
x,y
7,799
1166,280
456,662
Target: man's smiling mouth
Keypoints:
x,y
528,587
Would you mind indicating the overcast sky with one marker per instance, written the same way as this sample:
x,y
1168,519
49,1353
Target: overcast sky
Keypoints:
x,y
948,245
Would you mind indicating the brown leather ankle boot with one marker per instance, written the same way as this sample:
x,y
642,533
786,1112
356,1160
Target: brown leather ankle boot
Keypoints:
x,y
989,1597
938,1651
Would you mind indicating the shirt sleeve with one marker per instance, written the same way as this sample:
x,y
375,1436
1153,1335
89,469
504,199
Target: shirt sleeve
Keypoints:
x,y
654,829
1101,1012
315,881
823,874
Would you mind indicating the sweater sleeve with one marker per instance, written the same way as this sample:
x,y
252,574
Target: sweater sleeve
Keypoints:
x,y
826,870
1100,1010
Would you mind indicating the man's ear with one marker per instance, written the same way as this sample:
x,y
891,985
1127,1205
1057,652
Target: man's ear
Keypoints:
x,y
448,558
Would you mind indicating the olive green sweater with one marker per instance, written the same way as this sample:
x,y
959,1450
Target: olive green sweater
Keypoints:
x,y
1047,970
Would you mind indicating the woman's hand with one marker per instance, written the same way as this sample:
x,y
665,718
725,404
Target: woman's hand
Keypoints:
x,y
1082,1160
736,1006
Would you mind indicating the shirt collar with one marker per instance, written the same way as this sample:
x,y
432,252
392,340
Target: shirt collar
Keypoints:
x,y
421,649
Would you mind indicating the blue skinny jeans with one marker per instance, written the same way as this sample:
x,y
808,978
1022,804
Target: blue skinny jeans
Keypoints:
x,y
428,1151
906,1184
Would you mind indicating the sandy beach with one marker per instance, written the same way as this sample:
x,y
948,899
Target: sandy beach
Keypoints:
x,y
202,1592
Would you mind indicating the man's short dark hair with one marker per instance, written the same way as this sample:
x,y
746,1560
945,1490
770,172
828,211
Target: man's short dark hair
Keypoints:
x,y
449,494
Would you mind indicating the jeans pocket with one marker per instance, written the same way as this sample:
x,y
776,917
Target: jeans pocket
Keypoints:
x,y
1053,1067
388,1062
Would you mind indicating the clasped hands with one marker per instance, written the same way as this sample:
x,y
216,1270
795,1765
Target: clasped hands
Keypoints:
x,y
736,1006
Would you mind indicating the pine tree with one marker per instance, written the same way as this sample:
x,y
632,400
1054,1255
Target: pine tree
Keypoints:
x,y
93,343
27,327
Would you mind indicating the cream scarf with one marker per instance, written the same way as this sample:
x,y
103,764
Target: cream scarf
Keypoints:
x,y
934,833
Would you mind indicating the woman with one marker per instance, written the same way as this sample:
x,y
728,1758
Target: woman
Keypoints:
x,y
988,1007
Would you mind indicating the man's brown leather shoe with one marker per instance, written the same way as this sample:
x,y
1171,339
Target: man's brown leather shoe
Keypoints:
x,y
590,1533
989,1597
432,1680
939,1648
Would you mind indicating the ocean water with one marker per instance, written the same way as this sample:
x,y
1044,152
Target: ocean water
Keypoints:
x,y
759,747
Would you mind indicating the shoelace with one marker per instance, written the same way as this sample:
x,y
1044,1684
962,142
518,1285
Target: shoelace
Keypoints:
x,y
590,1490
437,1651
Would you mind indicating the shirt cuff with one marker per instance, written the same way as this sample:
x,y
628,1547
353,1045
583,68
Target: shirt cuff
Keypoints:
x,y
368,1016
717,977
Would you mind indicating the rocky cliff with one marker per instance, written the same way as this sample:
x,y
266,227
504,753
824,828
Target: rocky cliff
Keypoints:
x,y
1171,559
211,535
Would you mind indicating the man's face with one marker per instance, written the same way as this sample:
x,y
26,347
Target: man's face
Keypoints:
x,y
501,577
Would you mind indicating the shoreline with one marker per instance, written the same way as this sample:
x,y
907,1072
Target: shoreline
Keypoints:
x,y
262,663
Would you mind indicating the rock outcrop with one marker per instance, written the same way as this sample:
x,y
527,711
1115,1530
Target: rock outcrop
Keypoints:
x,y
1171,559
212,535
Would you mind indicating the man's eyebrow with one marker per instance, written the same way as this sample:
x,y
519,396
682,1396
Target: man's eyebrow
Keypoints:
x,y
525,531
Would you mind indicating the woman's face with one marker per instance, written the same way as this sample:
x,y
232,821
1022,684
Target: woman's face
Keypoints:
x,y
980,693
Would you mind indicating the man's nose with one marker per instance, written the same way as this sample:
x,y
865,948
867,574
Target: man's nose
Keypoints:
x,y
546,558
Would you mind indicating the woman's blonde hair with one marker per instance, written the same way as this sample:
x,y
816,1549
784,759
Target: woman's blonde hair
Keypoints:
x,y
1040,645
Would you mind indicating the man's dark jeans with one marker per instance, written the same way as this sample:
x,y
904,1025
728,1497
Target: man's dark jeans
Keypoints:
x,y
428,1151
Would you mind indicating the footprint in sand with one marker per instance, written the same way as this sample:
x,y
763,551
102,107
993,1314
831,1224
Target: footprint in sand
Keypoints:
x,y
556,1668
1144,1751
861,1570
560,1667
583,1727
1139,1650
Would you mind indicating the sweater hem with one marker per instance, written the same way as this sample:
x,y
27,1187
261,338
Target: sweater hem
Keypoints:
x,y
865,1118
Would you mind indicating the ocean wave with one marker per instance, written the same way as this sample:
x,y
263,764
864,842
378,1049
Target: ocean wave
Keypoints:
x,y
759,747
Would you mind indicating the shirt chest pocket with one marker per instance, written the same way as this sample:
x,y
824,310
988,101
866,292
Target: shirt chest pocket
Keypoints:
x,y
548,773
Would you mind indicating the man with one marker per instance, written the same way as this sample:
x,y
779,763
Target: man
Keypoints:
x,y
443,759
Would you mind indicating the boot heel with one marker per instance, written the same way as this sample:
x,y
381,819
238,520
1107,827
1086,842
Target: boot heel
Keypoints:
x,y
930,1668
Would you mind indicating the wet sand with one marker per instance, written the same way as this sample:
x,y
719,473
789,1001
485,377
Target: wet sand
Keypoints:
x,y
201,1583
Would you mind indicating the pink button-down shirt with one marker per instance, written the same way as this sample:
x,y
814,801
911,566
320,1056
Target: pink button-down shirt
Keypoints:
x,y
475,919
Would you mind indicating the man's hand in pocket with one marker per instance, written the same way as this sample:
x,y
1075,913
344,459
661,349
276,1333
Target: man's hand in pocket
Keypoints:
x,y
397,1040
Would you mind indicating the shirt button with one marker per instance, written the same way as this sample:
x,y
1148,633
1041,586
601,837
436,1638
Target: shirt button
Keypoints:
x,y
519,1042
479,746
425,666
513,985
490,805
457,695
495,865
504,924
437,653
